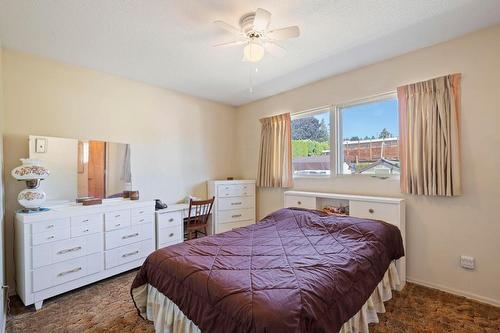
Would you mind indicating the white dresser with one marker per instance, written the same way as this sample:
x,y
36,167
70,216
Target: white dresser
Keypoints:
x,y
71,246
390,210
234,205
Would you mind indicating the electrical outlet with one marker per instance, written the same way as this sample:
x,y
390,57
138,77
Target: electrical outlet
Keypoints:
x,y
40,145
467,262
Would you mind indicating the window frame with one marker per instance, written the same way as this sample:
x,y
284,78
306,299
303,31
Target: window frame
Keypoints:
x,y
311,113
338,134
336,142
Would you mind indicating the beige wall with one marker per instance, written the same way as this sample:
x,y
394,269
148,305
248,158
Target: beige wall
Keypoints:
x,y
439,230
177,141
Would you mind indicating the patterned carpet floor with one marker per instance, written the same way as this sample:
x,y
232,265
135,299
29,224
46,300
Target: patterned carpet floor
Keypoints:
x,y
107,307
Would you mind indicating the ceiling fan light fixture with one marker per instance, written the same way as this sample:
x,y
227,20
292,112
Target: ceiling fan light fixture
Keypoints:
x,y
253,52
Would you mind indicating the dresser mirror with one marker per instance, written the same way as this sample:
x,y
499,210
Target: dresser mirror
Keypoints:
x,y
82,168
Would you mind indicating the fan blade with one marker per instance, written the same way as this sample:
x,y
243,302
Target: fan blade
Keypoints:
x,y
284,33
232,43
261,20
228,27
274,50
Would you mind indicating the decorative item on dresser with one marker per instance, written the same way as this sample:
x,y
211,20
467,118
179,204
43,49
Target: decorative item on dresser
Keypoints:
x,y
73,245
390,210
234,204
32,173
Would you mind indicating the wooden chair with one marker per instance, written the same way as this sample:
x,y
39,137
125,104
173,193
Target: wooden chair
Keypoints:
x,y
197,221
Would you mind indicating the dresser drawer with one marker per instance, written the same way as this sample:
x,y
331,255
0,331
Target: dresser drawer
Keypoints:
x,y
44,226
169,219
237,190
116,220
170,235
226,216
47,254
77,221
143,218
141,211
127,253
375,210
236,203
66,271
86,228
128,235
233,225
51,236
300,202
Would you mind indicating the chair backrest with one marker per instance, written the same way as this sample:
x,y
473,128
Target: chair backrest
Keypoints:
x,y
199,211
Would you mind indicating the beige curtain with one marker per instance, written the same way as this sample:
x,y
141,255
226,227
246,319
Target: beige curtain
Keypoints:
x,y
430,136
275,159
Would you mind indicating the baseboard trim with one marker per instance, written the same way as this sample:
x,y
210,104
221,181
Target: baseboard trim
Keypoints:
x,y
475,297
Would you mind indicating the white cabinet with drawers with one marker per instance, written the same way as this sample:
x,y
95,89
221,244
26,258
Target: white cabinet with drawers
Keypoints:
x,y
234,205
70,245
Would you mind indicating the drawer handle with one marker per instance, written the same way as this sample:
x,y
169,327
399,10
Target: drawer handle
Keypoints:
x,y
171,219
235,203
117,225
130,236
51,237
117,216
86,230
371,210
50,226
171,234
141,220
130,254
299,202
78,248
141,212
70,271
85,220
237,215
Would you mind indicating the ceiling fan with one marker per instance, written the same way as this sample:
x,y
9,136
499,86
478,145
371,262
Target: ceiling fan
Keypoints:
x,y
254,33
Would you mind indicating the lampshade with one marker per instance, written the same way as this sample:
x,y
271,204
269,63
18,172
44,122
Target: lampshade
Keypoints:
x,y
30,170
253,52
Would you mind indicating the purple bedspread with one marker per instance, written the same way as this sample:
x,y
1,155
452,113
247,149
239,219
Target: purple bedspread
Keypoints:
x,y
294,271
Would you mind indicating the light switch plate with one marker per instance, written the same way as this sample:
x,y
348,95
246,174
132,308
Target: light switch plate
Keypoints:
x,y
40,145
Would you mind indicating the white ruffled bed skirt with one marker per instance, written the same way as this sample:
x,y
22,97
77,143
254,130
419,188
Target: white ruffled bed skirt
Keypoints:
x,y
168,318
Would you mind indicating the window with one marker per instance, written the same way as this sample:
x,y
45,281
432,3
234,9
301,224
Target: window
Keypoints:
x,y
369,138
311,144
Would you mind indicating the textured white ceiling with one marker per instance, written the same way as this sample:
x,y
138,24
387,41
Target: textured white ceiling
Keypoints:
x,y
168,43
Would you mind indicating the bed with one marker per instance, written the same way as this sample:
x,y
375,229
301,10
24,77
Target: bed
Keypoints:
x,y
294,271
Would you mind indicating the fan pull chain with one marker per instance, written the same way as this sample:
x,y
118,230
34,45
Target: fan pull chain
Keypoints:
x,y
251,70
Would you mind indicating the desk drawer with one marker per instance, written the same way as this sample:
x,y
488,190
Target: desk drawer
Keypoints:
x,y
236,203
51,253
233,225
226,216
66,271
141,211
50,236
170,235
169,219
116,220
236,190
127,253
128,235
300,201
375,210
45,226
